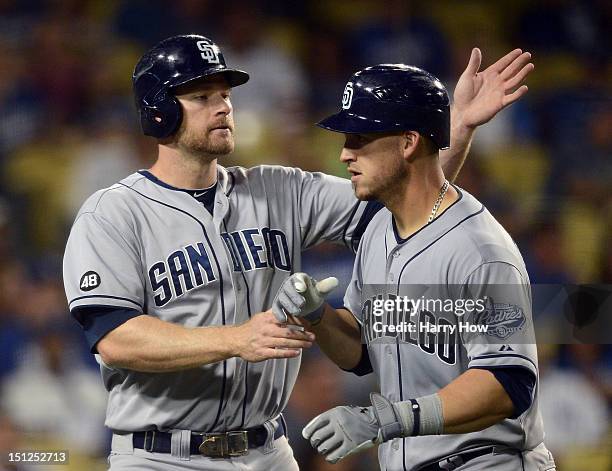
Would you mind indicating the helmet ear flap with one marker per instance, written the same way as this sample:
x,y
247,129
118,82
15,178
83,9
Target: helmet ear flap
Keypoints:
x,y
160,111
161,119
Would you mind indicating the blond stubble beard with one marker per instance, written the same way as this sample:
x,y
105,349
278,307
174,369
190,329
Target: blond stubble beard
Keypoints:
x,y
386,185
204,144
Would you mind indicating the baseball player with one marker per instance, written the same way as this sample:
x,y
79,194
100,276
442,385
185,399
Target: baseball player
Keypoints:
x,y
458,380
170,272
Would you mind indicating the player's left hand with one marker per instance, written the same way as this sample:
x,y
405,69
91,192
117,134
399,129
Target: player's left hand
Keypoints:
x,y
343,431
300,295
480,95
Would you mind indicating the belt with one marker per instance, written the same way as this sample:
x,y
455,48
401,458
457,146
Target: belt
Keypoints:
x,y
456,460
214,445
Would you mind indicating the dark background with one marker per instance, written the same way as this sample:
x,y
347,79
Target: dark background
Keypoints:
x,y
68,127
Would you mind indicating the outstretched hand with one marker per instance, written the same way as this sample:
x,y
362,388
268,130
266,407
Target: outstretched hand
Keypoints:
x,y
480,95
300,295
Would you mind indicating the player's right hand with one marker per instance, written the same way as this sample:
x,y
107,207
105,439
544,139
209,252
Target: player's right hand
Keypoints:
x,y
263,337
343,431
300,295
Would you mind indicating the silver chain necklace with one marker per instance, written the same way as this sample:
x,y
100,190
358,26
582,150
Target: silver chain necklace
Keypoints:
x,y
438,202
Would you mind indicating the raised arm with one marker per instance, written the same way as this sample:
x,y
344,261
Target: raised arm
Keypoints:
x,y
478,97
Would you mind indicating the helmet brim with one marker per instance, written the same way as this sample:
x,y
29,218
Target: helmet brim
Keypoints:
x,y
351,123
234,77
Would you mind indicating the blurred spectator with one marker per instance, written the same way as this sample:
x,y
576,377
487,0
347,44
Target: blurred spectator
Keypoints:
x,y
144,21
269,108
550,26
593,361
544,256
68,127
16,20
605,273
399,33
277,82
326,62
20,110
57,69
52,394
194,16
589,172
473,178
36,175
11,439
575,414
14,332
107,156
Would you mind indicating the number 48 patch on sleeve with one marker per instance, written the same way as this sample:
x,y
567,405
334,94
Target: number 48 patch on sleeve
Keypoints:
x,y
89,281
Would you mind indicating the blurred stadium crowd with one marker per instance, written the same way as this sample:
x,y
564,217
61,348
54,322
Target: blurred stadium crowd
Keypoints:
x,y
68,127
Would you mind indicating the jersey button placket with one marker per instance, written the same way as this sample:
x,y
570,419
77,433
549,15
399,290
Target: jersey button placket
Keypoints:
x,y
390,260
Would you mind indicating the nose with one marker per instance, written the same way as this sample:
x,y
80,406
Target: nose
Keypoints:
x,y
224,106
347,156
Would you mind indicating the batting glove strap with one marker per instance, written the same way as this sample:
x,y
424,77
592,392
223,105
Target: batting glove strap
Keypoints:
x,y
422,416
315,316
388,420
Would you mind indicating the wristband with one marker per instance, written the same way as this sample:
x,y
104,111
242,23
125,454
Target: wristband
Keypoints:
x,y
421,416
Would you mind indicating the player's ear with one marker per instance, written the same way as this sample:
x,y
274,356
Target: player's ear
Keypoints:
x,y
409,142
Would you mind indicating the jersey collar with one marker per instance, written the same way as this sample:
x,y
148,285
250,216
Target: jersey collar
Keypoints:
x,y
439,221
157,181
225,181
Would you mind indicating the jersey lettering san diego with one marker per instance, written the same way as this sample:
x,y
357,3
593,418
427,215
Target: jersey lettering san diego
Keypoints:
x,y
258,248
143,246
416,351
190,267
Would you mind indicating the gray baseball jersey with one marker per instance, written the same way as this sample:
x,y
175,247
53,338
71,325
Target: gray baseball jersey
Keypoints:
x,y
418,349
144,245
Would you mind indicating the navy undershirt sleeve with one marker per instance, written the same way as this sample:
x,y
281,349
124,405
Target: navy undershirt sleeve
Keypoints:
x,y
364,367
518,383
97,321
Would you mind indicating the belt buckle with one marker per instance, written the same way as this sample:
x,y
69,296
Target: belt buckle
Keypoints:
x,y
238,443
225,445
214,445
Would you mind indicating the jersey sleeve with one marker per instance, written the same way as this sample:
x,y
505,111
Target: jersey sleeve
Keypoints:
x,y
328,210
499,332
354,291
102,265
97,321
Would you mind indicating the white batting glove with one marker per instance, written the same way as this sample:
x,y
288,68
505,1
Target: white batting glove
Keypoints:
x,y
346,430
343,431
300,295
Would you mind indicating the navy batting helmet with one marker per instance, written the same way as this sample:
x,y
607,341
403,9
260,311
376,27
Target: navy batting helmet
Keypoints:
x,y
394,97
172,62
